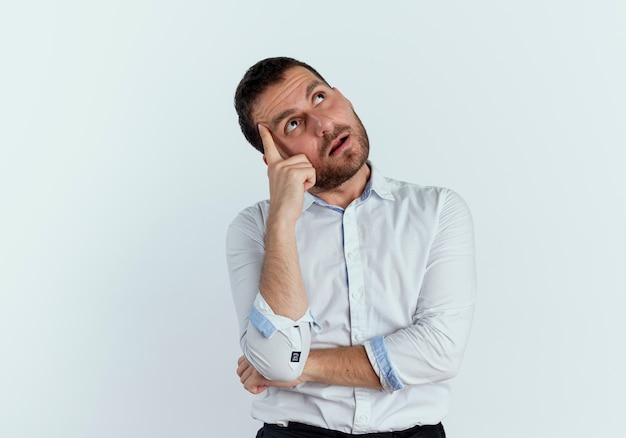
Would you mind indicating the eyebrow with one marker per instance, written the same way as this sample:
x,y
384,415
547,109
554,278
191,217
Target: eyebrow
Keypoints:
x,y
309,89
312,86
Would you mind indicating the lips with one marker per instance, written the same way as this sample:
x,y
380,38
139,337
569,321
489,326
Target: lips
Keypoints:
x,y
336,146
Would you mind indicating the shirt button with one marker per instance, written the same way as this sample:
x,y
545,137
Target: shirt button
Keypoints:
x,y
362,418
357,294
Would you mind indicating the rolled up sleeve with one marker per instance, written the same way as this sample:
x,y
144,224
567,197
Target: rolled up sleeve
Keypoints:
x,y
276,346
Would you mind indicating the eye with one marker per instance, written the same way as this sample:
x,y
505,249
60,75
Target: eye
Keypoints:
x,y
318,98
291,125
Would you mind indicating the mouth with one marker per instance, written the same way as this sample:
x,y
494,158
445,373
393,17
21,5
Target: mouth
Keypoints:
x,y
339,144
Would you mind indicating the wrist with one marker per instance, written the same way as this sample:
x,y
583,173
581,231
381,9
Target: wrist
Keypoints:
x,y
284,210
281,225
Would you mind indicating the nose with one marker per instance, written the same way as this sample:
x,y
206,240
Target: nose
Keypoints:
x,y
321,123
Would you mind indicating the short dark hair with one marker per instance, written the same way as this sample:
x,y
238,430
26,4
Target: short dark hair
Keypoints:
x,y
255,81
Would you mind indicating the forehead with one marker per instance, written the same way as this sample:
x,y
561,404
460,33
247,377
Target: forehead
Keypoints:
x,y
285,95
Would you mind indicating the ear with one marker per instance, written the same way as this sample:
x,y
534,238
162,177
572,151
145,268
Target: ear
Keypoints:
x,y
264,159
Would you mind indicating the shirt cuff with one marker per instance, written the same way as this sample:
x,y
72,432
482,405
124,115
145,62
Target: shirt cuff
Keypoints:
x,y
267,322
379,358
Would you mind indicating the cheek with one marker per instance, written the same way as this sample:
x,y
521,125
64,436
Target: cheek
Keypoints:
x,y
297,145
345,112
284,148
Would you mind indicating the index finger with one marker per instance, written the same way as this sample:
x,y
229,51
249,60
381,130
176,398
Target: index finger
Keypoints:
x,y
269,147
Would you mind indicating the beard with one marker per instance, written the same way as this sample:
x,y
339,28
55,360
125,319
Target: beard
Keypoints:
x,y
331,172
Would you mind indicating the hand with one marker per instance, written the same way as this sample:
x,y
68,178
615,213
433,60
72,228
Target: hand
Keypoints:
x,y
253,381
289,178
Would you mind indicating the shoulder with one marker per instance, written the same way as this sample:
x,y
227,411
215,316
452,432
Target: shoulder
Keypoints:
x,y
432,195
251,220
439,204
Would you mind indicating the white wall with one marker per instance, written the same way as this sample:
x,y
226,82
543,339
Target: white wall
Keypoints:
x,y
121,165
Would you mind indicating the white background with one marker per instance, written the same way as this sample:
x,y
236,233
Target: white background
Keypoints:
x,y
122,164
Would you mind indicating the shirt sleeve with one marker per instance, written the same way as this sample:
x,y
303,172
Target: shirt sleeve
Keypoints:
x,y
432,348
274,345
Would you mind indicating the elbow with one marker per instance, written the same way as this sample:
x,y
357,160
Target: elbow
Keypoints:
x,y
282,356
276,370
447,366
450,372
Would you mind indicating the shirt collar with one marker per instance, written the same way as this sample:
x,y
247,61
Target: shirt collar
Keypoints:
x,y
377,183
309,199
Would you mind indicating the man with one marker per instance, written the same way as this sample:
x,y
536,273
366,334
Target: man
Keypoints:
x,y
354,292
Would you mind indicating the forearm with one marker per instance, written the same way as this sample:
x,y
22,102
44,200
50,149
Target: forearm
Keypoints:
x,y
343,366
281,280
290,176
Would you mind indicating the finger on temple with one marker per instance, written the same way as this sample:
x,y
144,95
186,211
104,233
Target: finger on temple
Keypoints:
x,y
269,147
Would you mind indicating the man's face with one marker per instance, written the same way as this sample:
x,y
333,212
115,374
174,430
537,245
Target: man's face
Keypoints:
x,y
306,116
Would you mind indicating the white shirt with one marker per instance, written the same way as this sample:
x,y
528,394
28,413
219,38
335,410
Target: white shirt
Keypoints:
x,y
395,272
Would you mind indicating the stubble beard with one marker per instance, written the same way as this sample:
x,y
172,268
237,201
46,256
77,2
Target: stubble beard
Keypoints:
x,y
332,172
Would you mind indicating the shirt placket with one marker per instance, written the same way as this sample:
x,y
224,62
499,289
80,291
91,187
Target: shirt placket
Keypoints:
x,y
358,323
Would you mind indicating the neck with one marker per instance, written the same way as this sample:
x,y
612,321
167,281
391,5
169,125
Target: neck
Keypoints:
x,y
347,192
